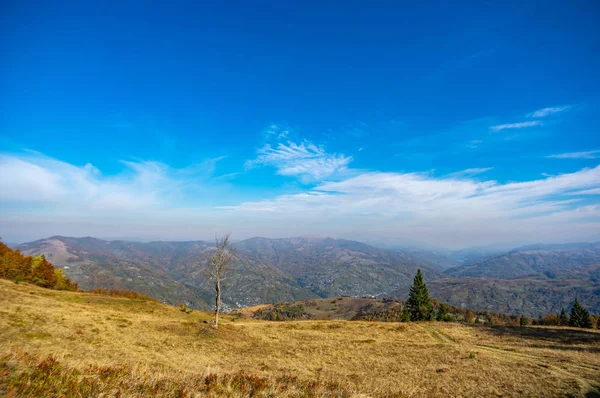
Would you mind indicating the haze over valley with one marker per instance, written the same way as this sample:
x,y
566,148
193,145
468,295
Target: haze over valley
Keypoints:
x,y
532,280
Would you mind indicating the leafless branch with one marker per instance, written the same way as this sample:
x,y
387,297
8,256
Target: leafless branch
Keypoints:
x,y
219,264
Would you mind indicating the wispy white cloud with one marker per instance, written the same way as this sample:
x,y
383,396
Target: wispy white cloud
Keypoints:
x,y
519,125
452,210
50,197
469,172
549,111
142,185
304,160
576,155
593,191
474,144
278,132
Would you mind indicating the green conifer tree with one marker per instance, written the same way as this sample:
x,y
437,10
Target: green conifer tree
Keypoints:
x,y
564,319
580,317
442,314
419,305
405,317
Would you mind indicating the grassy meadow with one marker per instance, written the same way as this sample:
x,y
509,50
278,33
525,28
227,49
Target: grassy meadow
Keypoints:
x,y
58,343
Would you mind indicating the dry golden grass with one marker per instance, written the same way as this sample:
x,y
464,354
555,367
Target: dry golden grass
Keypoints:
x,y
159,342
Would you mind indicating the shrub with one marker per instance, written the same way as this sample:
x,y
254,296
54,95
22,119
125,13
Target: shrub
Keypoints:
x,y
470,318
26,375
442,314
389,311
549,320
405,315
281,312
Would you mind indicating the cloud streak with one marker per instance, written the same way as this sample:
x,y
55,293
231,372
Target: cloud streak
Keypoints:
x,y
511,126
474,144
576,155
544,112
469,172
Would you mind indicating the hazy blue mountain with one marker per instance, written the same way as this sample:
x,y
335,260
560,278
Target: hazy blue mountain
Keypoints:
x,y
265,270
533,261
529,280
334,267
526,296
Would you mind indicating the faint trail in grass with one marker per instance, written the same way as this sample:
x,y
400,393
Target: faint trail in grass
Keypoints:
x,y
437,335
584,383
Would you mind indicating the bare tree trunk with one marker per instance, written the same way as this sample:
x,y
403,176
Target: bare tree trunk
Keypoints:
x,y
219,263
218,302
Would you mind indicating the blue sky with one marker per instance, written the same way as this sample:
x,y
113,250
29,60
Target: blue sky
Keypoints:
x,y
451,125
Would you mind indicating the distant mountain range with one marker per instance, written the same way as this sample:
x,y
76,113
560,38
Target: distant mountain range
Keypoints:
x,y
530,280
526,296
173,272
336,267
532,261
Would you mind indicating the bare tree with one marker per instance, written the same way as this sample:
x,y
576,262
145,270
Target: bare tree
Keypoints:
x,y
219,264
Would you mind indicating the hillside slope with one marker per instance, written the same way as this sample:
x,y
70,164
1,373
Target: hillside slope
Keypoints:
x,y
341,308
530,297
336,267
542,278
265,270
538,261
173,272
91,265
54,343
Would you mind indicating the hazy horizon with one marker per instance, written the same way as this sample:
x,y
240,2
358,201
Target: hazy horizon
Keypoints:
x,y
382,124
381,244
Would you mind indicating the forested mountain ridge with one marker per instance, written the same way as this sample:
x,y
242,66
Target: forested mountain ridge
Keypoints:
x,y
335,267
284,270
179,267
536,261
530,297
264,270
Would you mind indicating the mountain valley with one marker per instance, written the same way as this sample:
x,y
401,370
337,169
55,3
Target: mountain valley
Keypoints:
x,y
531,281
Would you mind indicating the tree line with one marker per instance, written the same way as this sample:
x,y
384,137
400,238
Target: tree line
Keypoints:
x,y
578,317
36,270
419,307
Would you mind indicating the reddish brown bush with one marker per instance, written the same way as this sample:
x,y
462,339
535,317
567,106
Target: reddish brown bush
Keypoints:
x,y
37,270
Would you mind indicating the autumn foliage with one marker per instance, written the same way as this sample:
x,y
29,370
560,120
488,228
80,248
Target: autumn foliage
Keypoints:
x,y
15,266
